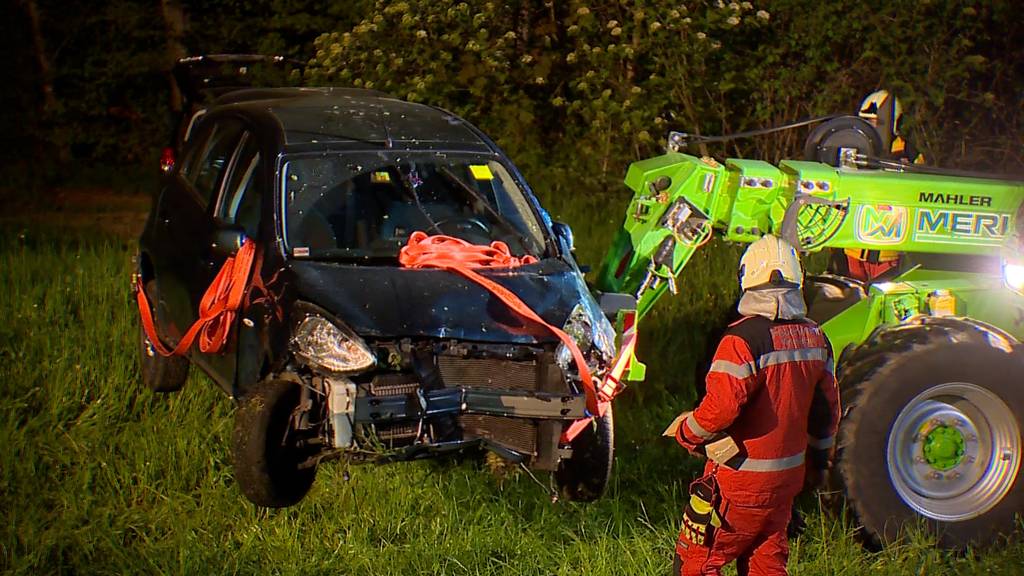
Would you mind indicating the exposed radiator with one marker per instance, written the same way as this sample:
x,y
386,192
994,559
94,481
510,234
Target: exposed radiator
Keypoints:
x,y
515,433
397,431
393,384
488,373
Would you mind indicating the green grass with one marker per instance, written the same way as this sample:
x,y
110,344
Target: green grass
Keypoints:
x,y
98,475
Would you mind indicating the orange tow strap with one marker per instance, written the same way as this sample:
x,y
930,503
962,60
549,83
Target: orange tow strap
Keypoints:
x,y
217,309
459,256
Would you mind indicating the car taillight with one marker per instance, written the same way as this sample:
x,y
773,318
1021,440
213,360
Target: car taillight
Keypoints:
x,y
167,160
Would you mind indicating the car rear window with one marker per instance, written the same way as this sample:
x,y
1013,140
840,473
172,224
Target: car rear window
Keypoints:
x,y
366,205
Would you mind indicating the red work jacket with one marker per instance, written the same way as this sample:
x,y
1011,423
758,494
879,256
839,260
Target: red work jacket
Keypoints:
x,y
771,387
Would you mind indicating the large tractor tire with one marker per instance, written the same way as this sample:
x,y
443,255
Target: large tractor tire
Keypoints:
x,y
932,433
266,456
159,373
584,476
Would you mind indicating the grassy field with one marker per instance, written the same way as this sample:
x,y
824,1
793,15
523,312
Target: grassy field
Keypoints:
x,y
98,475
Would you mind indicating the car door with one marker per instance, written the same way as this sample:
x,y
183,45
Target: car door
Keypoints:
x,y
180,226
187,219
239,206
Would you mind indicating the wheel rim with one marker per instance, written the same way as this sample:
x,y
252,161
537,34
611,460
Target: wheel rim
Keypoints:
x,y
954,452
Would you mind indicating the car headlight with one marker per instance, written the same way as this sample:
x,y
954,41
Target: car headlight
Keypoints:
x,y
593,335
1013,275
324,344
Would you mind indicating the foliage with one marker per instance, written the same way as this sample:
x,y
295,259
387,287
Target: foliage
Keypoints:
x,y
550,80
955,65
279,27
110,66
543,76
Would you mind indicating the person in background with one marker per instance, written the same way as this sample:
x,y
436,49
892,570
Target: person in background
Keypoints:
x,y
772,402
884,111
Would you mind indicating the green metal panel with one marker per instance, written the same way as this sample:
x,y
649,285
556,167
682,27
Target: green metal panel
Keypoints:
x,y
758,187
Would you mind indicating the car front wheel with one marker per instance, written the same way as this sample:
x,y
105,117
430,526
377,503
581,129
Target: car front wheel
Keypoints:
x,y
584,476
268,459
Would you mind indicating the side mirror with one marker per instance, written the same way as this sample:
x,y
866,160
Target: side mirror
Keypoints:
x,y
227,240
564,234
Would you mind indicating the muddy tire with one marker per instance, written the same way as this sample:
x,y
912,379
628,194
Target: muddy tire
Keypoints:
x,y
584,476
932,434
159,373
266,458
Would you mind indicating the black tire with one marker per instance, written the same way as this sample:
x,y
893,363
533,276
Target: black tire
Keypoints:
x,y
159,373
584,476
903,387
266,459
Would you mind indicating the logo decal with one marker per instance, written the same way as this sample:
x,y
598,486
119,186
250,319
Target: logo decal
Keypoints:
x,y
958,227
881,224
955,199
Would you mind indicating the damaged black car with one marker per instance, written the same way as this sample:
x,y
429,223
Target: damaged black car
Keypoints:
x,y
337,351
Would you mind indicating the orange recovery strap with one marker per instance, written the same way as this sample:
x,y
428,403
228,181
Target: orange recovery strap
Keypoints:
x,y
612,383
459,256
217,309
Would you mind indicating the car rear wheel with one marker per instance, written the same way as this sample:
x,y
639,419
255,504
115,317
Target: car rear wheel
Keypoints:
x,y
267,453
584,476
933,437
159,373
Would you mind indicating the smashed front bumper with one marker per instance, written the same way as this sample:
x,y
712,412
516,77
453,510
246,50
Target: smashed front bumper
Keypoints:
x,y
537,405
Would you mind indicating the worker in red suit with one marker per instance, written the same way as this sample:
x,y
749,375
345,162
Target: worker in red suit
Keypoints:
x,y
772,402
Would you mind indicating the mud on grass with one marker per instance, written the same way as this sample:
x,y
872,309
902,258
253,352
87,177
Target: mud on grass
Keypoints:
x,y
98,475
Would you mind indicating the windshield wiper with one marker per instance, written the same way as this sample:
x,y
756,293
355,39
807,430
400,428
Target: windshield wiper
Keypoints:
x,y
491,210
335,135
349,255
409,186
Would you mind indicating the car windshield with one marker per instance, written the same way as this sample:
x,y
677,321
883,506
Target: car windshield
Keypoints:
x,y
365,205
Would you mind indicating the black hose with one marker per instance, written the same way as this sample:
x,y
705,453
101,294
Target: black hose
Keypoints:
x,y
894,165
684,139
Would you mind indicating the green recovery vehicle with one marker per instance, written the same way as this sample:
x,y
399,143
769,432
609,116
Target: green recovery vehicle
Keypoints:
x,y
929,361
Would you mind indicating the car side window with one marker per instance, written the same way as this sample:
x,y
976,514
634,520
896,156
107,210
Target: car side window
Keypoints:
x,y
194,148
243,195
213,165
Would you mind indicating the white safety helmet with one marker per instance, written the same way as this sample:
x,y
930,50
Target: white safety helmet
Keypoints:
x,y
874,102
770,262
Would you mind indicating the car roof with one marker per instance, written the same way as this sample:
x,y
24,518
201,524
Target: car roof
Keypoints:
x,y
318,118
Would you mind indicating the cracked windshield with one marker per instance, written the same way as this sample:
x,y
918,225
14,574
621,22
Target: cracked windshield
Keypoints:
x,y
366,206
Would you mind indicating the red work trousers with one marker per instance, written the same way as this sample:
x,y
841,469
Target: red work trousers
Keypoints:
x,y
754,537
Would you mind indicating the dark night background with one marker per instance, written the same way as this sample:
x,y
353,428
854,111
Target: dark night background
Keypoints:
x,y
88,93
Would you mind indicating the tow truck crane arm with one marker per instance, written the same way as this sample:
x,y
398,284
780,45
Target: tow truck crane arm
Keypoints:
x,y
680,200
